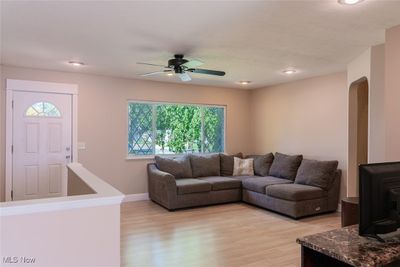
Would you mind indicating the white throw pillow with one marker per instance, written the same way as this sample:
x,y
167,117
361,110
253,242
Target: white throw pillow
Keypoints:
x,y
243,167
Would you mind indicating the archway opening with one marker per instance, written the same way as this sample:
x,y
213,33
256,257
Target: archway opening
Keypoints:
x,y
358,132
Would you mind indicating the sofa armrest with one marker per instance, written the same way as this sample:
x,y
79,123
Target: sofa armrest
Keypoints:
x,y
162,185
334,191
159,176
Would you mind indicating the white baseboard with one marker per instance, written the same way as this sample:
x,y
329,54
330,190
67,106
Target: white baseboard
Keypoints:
x,y
339,208
136,197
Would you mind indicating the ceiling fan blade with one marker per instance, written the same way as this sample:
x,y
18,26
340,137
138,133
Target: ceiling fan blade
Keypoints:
x,y
150,64
153,73
194,63
185,77
210,72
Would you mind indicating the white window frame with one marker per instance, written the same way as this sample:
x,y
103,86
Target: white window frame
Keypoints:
x,y
146,157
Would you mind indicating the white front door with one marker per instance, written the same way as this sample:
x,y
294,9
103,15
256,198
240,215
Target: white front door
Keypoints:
x,y
42,125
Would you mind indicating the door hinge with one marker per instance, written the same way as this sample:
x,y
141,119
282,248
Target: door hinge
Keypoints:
x,y
12,194
12,104
12,148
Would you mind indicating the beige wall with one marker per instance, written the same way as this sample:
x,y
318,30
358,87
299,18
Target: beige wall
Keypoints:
x,y
380,64
76,237
392,94
2,135
359,67
371,65
284,118
102,119
376,151
305,117
76,186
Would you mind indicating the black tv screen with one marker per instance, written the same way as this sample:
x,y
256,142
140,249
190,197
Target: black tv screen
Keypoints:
x,y
379,188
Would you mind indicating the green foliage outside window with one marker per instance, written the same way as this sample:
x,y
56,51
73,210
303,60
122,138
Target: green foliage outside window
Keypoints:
x,y
174,129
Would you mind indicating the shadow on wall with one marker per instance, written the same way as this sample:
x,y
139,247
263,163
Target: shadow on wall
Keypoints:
x,y
358,132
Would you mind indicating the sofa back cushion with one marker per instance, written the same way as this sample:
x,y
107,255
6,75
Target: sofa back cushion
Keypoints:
x,y
227,163
285,166
262,163
316,173
205,165
243,167
179,167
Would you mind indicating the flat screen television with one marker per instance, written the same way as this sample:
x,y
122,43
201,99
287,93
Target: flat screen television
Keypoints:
x,y
379,188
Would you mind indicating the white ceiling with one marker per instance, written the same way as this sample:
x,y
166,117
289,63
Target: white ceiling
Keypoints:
x,y
250,40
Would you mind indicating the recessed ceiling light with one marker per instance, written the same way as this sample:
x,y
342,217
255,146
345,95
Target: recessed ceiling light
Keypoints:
x,y
170,74
244,82
289,71
349,2
76,63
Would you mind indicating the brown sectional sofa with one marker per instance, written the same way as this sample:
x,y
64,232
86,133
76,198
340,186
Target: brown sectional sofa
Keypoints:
x,y
296,200
294,186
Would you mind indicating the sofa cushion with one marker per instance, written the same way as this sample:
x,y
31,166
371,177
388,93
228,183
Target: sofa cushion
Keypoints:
x,y
285,166
243,167
262,163
222,183
189,186
179,167
295,192
227,163
258,184
205,165
242,178
316,173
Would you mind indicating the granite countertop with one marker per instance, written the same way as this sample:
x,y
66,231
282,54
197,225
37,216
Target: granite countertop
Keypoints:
x,y
346,245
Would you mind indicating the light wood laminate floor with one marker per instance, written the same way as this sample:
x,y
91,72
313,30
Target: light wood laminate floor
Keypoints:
x,y
223,235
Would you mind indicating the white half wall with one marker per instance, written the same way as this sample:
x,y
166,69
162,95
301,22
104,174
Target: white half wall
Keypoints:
x,y
66,238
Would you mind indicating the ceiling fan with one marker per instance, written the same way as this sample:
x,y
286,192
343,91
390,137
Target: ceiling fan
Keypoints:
x,y
182,67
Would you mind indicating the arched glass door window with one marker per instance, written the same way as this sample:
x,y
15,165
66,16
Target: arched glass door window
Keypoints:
x,y
42,109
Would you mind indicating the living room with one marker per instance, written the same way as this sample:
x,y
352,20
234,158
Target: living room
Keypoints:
x,y
288,66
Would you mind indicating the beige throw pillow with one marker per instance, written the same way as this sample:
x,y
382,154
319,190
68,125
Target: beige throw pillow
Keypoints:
x,y
243,167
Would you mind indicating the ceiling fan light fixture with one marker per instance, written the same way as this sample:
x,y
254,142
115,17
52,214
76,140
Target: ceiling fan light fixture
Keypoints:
x,y
349,2
76,63
181,67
